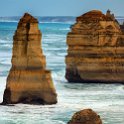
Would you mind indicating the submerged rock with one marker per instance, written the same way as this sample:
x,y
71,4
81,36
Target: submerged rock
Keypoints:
x,y
95,49
86,116
28,80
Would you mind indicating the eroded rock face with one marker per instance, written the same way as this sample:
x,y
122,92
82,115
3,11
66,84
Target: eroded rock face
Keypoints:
x,y
95,49
28,80
86,116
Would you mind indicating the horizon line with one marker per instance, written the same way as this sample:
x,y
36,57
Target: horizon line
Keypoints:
x,y
49,16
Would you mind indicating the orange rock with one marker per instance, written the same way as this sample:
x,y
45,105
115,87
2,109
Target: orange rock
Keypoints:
x,y
86,116
28,80
95,49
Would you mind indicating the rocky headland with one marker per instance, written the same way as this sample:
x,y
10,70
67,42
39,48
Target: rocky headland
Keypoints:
x,y
28,80
95,49
86,116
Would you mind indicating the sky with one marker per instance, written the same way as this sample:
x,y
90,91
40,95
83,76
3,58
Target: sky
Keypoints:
x,y
59,7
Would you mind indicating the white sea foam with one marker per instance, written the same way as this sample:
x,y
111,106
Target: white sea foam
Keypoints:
x,y
8,21
9,46
5,61
2,87
5,41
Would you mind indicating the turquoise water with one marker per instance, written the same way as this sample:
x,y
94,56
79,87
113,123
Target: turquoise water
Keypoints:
x,y
105,99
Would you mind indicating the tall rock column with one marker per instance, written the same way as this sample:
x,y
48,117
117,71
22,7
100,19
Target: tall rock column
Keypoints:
x,y
28,80
95,49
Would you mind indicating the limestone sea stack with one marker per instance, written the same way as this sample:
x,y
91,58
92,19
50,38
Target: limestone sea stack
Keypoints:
x,y
28,80
86,116
95,49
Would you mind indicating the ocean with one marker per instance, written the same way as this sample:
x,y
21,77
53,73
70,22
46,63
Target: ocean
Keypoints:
x,y
106,99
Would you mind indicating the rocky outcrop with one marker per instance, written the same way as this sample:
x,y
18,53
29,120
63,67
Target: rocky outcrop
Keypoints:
x,y
122,28
95,49
28,80
86,116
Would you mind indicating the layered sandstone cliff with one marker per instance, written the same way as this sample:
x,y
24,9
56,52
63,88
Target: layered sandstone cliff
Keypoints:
x,y
28,80
95,49
86,116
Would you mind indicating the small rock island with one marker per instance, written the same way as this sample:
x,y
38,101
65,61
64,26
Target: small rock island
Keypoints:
x,y
95,49
28,81
86,116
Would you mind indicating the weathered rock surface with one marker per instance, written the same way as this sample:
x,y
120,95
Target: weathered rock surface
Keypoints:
x,y
95,49
28,80
86,116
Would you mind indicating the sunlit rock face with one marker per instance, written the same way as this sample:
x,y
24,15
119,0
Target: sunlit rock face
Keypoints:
x,y
86,116
95,49
28,80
